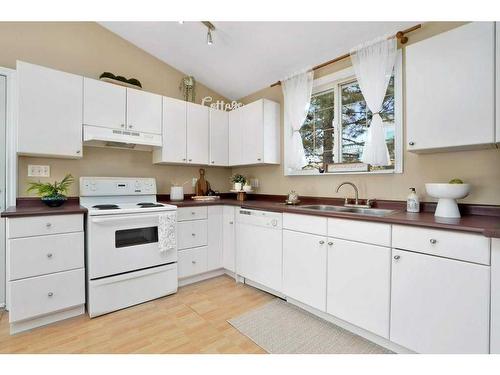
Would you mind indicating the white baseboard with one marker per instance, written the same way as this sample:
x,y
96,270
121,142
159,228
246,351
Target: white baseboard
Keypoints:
x,y
264,288
352,328
25,325
202,276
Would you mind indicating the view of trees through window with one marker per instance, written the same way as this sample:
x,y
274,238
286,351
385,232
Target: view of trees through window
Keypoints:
x,y
318,133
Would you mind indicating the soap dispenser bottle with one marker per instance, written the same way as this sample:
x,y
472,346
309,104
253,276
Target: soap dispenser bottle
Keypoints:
x,y
412,202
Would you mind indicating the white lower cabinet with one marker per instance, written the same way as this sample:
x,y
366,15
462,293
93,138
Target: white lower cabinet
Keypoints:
x,y
192,261
228,238
439,305
358,291
214,249
304,268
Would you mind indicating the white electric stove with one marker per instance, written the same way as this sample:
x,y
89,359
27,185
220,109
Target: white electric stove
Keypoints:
x,y
125,225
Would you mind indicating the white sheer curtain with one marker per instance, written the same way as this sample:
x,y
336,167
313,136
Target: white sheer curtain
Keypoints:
x,y
297,95
373,63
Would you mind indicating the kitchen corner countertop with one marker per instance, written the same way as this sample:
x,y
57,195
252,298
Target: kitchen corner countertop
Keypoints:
x,y
488,226
37,208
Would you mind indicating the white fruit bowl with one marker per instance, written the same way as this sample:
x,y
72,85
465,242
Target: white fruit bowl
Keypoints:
x,y
447,193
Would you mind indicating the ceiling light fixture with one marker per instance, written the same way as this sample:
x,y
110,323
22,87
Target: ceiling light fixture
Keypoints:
x,y
181,22
210,28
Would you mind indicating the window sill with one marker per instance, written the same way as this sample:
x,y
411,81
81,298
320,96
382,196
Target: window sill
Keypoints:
x,y
316,173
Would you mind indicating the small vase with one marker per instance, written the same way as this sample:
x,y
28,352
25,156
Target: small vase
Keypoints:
x,y
247,188
237,186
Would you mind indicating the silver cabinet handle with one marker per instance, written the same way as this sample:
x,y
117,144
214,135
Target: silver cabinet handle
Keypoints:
x,y
193,234
130,126
183,159
213,162
259,159
50,294
396,257
190,160
49,255
122,125
321,242
193,261
231,222
411,143
78,151
433,241
193,213
330,243
48,225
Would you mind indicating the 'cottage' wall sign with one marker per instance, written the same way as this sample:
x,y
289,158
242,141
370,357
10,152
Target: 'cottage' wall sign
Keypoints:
x,y
219,104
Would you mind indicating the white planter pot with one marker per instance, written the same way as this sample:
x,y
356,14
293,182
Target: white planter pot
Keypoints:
x,y
237,186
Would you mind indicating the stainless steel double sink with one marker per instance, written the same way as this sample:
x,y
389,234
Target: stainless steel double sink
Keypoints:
x,y
343,209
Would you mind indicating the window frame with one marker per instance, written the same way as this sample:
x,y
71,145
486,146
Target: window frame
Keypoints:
x,y
335,81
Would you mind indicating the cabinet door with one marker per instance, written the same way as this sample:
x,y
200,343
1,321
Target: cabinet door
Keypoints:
x,y
497,74
50,112
439,305
197,133
235,137
104,104
144,111
252,121
359,278
304,268
214,250
495,296
219,137
449,90
174,132
228,243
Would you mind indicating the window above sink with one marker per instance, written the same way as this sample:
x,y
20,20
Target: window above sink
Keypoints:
x,y
335,129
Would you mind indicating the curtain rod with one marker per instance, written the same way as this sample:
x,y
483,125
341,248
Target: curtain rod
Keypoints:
x,y
400,35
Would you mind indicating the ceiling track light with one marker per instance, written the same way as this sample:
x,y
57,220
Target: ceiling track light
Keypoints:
x,y
210,28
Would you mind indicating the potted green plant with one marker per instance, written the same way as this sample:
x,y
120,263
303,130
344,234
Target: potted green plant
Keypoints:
x,y
238,181
53,195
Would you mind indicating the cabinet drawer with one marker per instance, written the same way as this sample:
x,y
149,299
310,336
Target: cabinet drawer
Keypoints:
x,y
34,256
191,213
42,225
192,261
192,234
305,223
361,231
46,294
450,244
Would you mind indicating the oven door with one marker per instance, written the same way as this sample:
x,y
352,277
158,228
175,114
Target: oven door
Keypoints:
x,y
123,243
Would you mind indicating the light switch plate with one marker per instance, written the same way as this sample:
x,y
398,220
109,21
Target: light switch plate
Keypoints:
x,y
38,170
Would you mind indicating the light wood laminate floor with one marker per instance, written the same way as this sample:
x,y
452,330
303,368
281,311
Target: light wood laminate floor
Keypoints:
x,y
192,321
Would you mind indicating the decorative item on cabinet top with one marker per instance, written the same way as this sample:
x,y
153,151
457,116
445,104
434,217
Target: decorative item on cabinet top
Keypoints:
x,y
188,88
120,80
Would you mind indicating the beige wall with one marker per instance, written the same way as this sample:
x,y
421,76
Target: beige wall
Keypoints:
x,y
480,168
88,49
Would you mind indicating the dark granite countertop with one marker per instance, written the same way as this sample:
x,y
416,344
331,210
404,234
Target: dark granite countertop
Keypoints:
x,y
487,225
35,207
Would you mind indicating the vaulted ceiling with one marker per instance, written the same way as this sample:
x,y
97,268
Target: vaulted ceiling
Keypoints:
x,y
248,56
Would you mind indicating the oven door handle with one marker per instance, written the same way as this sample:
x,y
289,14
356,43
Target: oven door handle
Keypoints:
x,y
110,220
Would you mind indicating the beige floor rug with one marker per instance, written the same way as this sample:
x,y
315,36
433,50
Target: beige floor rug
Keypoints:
x,y
281,328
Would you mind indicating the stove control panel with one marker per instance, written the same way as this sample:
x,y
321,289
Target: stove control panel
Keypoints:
x,y
104,186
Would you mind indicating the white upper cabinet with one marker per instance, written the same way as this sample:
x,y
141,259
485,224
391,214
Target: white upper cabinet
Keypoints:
x,y
497,59
439,305
174,133
359,284
235,138
197,133
219,137
50,112
144,111
450,90
254,134
104,104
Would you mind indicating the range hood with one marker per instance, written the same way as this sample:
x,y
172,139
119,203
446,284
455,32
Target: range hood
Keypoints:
x,y
132,140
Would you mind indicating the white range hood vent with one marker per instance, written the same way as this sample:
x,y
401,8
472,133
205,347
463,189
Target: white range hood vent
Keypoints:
x,y
132,140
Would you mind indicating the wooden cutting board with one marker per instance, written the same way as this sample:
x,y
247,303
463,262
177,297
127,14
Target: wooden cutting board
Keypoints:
x,y
202,185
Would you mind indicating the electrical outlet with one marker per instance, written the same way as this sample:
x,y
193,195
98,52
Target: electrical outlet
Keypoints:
x,y
38,170
194,181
